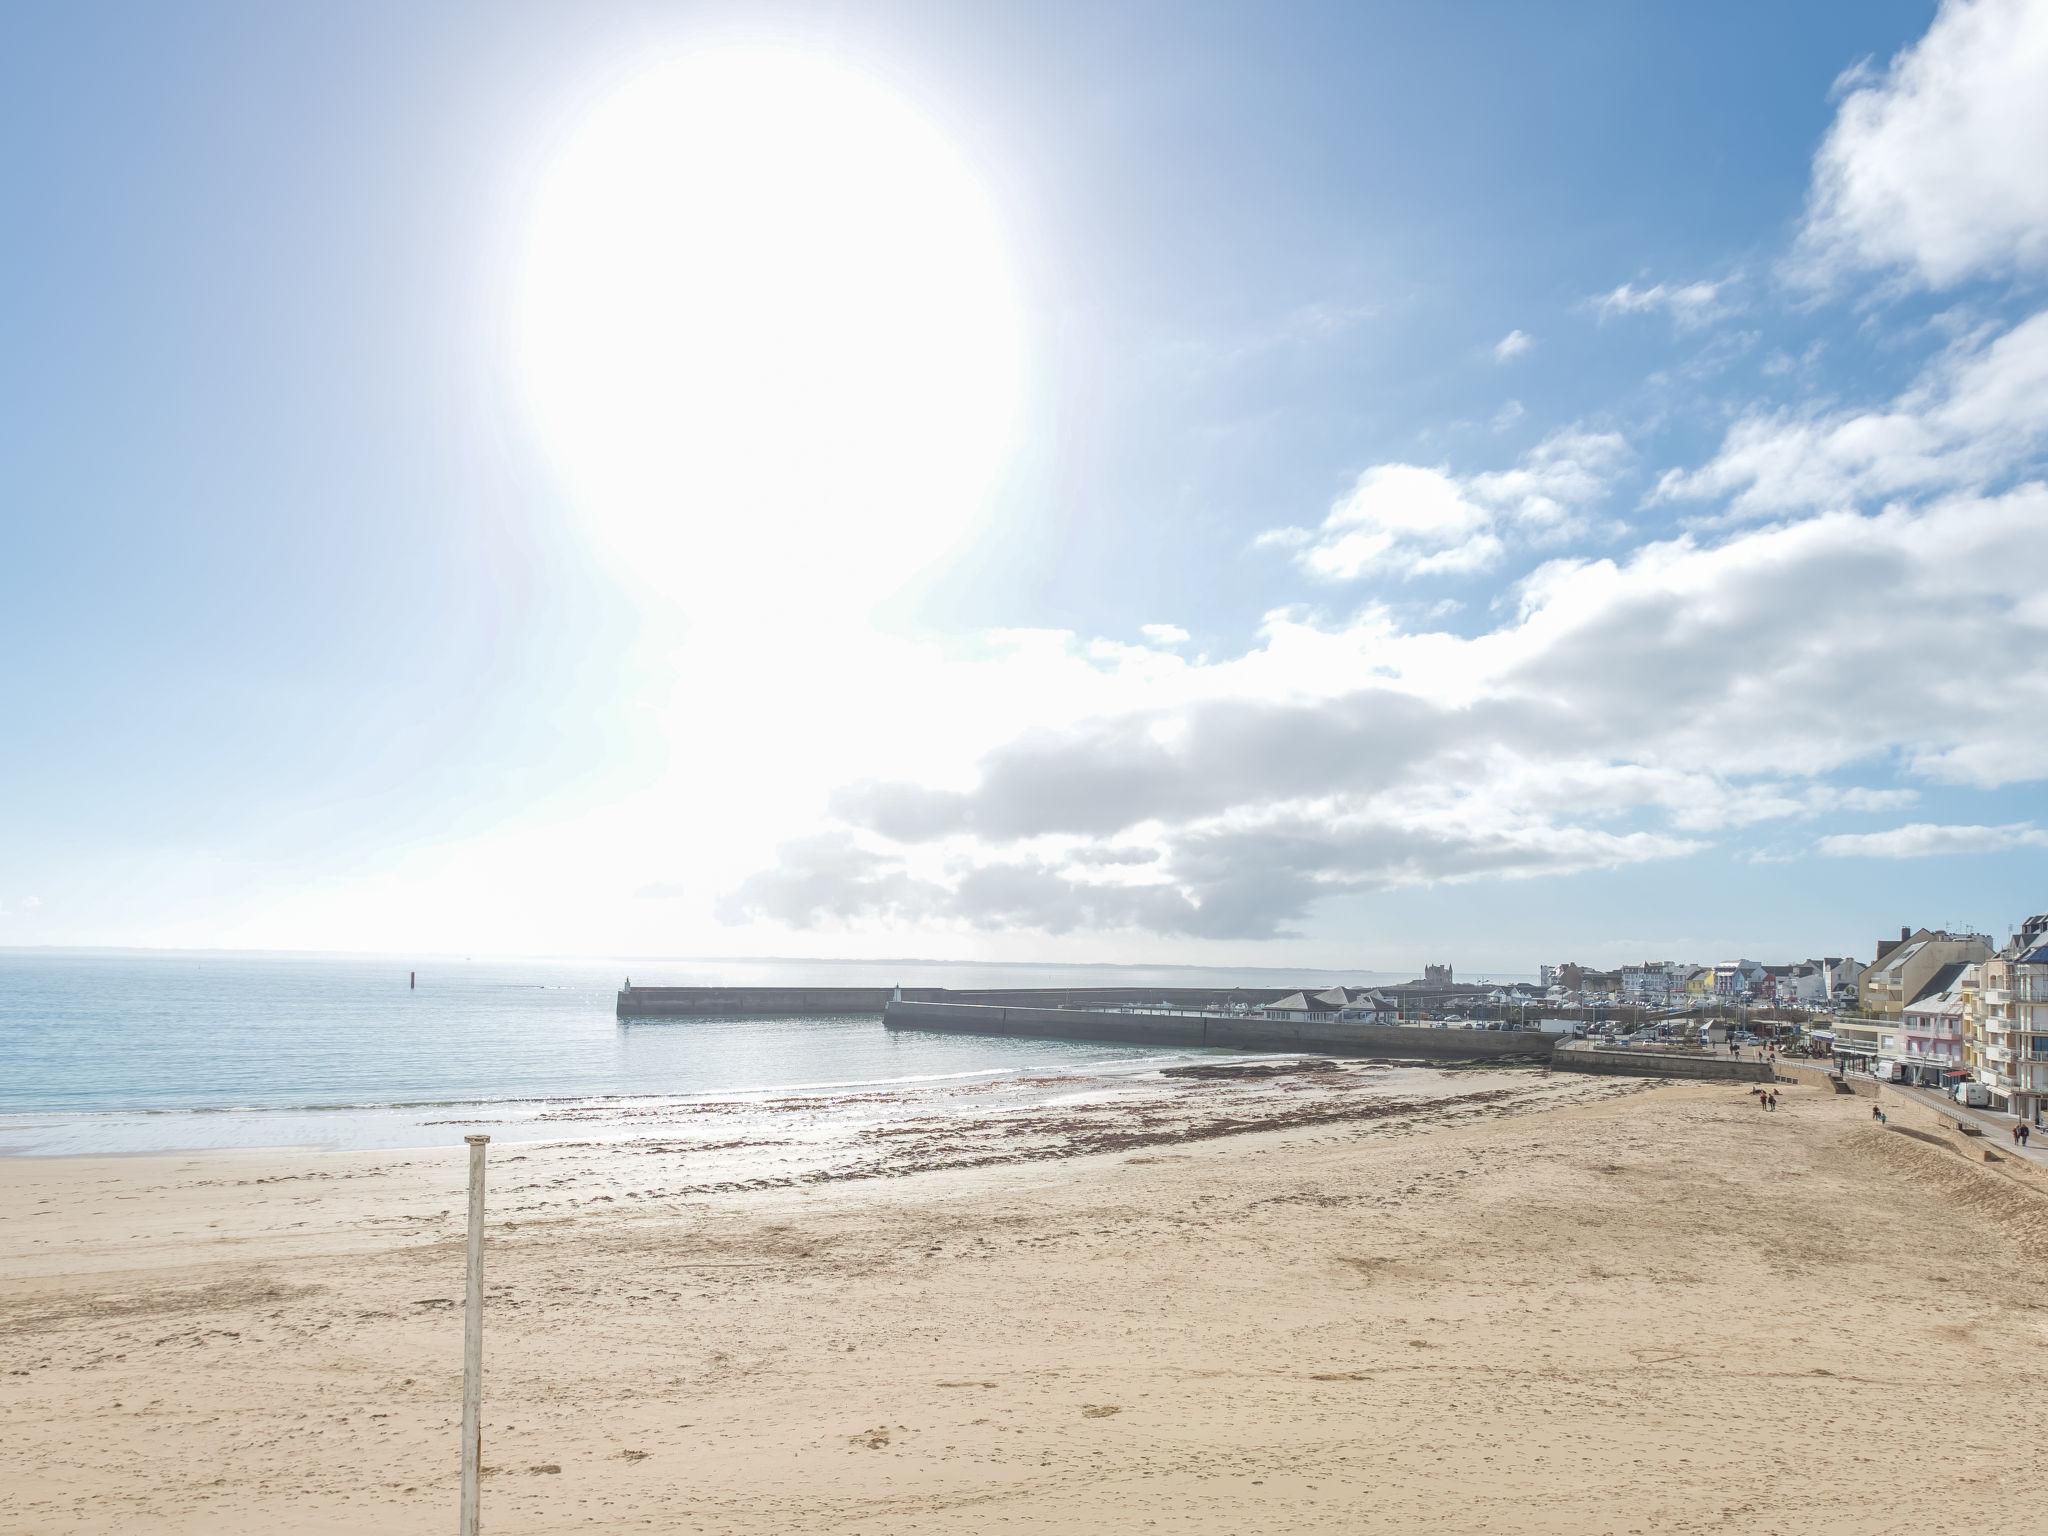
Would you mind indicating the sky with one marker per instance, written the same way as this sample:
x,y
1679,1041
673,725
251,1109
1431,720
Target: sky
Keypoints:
x,y
1339,485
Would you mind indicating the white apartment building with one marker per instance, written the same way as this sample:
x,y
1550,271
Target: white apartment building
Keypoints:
x,y
1814,983
1931,1029
2006,1028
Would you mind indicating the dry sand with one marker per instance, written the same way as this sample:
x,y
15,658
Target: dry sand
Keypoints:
x,y
1540,1304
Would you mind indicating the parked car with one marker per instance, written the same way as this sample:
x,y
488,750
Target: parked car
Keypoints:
x,y
1971,1095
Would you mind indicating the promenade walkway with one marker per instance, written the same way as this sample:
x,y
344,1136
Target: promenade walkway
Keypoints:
x,y
1996,1126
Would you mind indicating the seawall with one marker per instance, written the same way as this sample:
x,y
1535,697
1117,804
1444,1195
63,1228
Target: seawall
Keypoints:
x,y
1582,1057
1226,1030
714,1002
1961,1133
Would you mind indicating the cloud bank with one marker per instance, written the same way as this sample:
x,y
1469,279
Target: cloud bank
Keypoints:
x,y
1857,579
1631,709
1932,169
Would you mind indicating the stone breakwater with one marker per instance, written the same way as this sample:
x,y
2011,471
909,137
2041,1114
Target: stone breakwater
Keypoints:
x,y
1231,1031
728,1002
1382,1042
1580,1056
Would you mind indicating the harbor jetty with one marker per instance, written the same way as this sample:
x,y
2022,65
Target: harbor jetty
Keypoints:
x,y
729,1002
1237,1031
1659,1061
1228,1018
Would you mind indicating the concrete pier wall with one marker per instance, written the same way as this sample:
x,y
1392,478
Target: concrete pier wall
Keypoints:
x,y
725,1002
1238,1033
1580,1057
682,1002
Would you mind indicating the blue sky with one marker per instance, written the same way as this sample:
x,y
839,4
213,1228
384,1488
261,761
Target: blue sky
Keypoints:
x,y
334,626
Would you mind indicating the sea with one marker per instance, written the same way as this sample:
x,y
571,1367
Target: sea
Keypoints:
x,y
150,1052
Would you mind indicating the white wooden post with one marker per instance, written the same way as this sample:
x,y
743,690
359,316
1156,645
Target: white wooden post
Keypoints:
x,y
473,1341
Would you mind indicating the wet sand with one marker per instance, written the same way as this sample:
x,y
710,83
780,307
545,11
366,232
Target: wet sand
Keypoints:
x,y
1324,1300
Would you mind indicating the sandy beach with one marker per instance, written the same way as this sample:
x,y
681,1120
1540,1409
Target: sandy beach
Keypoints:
x,y
1303,1301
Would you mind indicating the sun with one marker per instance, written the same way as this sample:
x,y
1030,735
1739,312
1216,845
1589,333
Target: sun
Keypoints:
x,y
769,329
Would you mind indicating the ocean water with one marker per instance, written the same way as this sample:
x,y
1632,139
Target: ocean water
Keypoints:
x,y
118,1053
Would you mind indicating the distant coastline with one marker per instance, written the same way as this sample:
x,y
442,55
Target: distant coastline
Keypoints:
x,y
421,957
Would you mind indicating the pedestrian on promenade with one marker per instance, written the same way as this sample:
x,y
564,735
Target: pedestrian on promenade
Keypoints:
x,y
2015,1133
2026,1130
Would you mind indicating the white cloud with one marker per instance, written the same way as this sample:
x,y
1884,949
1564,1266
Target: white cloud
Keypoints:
x,y
1924,839
1164,634
1933,167
1690,305
1513,345
1507,416
1976,414
1407,520
1628,710
1398,518
1556,481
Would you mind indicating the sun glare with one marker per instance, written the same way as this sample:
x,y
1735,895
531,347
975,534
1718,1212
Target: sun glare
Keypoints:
x,y
769,329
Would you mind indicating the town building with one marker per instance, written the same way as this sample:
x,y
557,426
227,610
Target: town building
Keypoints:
x,y
2005,1039
1775,985
1902,968
1436,976
1906,971
1350,1005
1739,978
1304,1007
1804,985
1654,983
1815,983
1842,974
1861,1042
1930,1038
